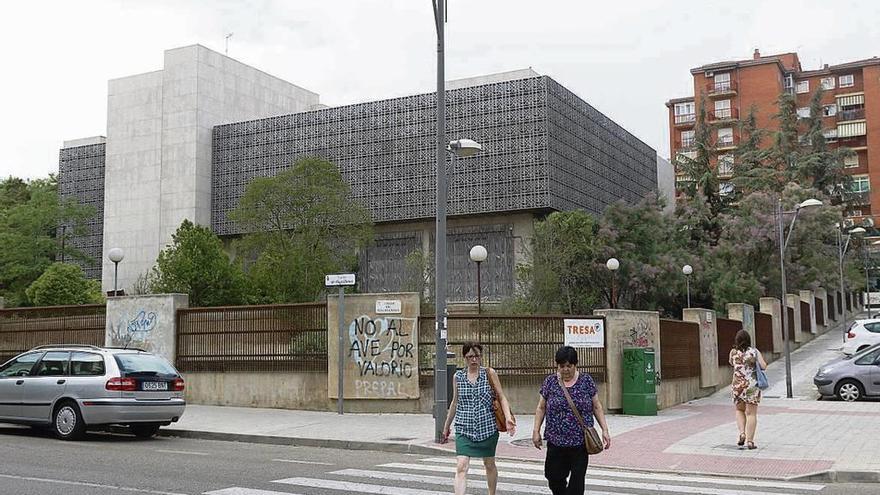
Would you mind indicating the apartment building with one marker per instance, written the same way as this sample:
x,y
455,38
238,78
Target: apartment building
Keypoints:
x,y
850,108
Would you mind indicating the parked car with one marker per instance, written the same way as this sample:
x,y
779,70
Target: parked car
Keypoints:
x,y
851,377
71,388
861,335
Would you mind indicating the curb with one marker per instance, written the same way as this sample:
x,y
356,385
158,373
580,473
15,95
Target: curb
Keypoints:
x,y
396,448
840,477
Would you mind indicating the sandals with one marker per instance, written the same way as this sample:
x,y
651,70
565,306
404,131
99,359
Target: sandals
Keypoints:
x,y
742,439
752,446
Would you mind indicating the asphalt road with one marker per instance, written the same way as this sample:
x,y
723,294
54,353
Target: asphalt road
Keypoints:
x,y
34,463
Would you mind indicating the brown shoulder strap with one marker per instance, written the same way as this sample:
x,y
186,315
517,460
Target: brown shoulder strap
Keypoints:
x,y
492,384
574,409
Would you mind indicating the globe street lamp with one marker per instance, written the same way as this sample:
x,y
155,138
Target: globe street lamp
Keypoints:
x,y
478,255
115,255
612,264
841,253
783,243
687,270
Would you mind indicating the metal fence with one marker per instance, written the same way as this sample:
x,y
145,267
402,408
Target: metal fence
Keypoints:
x,y
24,328
832,310
764,333
679,349
820,311
513,345
806,324
284,337
726,335
792,325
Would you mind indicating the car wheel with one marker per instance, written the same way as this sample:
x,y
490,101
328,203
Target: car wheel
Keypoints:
x,y
144,430
67,422
849,390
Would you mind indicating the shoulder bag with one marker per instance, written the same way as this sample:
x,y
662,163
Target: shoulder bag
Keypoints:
x,y
500,420
761,376
592,440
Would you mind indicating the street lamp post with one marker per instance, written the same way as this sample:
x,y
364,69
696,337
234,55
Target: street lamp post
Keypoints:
x,y
115,255
687,270
841,252
478,255
867,281
783,243
612,264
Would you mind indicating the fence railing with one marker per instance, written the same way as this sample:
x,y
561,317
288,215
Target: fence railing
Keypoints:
x,y
792,325
805,317
726,334
679,349
513,345
764,333
25,328
832,310
820,311
284,337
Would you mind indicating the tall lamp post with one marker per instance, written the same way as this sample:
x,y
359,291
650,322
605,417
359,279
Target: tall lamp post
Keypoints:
x,y
687,270
783,243
115,255
841,253
478,255
868,280
612,264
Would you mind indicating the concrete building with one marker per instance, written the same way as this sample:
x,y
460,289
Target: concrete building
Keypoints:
x,y
851,113
184,142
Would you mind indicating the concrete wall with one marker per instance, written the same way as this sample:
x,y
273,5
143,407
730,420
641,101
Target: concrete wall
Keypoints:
x,y
706,319
159,142
666,183
772,307
808,297
744,313
145,322
625,328
680,390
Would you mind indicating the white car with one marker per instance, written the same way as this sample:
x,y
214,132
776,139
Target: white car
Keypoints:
x,y
861,335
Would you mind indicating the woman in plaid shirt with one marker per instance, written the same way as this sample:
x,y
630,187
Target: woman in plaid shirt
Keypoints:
x,y
476,434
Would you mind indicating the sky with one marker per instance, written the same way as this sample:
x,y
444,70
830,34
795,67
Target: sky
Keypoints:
x,y
624,58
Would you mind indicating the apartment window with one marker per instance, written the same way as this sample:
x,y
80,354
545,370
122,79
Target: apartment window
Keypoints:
x,y
725,164
830,135
860,184
684,112
803,112
829,110
846,81
855,213
687,139
725,136
722,81
851,161
788,82
802,87
722,109
827,83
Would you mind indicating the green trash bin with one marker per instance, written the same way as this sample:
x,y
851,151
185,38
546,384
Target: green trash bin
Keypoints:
x,y
639,382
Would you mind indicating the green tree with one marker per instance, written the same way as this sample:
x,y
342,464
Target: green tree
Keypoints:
x,y
196,264
301,225
64,284
818,166
750,169
784,153
30,213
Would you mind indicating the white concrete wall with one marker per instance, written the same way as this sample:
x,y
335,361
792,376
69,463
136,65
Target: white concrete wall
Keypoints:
x,y
666,183
145,322
159,136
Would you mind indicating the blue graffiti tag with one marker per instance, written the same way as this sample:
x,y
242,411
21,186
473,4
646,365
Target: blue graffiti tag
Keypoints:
x,y
144,322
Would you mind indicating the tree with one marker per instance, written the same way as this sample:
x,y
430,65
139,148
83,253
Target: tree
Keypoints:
x,y
196,264
30,213
301,225
750,169
64,284
819,166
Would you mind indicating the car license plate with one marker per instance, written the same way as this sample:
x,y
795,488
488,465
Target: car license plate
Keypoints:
x,y
155,386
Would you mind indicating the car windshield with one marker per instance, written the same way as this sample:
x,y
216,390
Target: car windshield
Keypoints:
x,y
144,364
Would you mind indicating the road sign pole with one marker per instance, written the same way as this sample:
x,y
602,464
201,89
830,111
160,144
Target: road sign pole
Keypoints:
x,y
341,349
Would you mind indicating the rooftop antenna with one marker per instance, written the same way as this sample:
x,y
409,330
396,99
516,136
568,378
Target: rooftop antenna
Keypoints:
x,y
227,43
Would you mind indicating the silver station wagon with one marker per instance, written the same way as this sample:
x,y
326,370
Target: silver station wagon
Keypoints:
x,y
74,387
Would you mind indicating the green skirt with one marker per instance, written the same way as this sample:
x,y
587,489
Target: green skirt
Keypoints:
x,y
467,447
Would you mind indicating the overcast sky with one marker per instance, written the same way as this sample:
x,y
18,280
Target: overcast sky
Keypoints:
x,y
626,58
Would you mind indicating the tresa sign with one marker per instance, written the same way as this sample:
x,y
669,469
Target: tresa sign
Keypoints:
x,y
585,332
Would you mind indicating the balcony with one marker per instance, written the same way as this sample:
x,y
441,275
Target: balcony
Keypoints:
x,y
854,142
854,114
725,143
685,120
685,145
724,88
859,198
723,114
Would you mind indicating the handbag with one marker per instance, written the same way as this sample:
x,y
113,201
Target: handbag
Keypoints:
x,y
592,440
763,383
500,420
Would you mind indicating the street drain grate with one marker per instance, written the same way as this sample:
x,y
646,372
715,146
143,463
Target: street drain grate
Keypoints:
x,y
400,439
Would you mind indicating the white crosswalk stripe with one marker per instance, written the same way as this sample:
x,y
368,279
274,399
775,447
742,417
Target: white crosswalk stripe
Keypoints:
x,y
400,478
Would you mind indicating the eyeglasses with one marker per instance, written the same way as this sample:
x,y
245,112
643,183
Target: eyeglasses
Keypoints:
x,y
472,356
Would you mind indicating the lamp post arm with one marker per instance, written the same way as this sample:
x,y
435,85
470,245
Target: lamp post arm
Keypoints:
x,y
791,228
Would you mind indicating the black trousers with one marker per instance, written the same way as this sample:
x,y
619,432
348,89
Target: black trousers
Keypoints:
x,y
565,469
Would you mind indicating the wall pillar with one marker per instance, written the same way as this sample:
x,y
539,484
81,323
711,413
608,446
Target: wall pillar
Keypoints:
x,y
793,301
744,313
708,322
145,322
625,328
772,307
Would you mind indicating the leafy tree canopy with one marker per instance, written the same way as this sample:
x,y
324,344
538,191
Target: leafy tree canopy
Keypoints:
x,y
64,284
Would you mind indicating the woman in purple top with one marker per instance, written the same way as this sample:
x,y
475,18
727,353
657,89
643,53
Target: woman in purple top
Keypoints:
x,y
566,463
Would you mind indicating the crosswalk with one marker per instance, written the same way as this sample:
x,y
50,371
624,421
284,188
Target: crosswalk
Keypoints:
x,y
433,476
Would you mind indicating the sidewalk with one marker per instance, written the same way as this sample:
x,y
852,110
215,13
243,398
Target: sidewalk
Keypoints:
x,y
797,438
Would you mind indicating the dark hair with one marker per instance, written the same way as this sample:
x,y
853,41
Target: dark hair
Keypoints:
x,y
566,354
742,341
471,345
